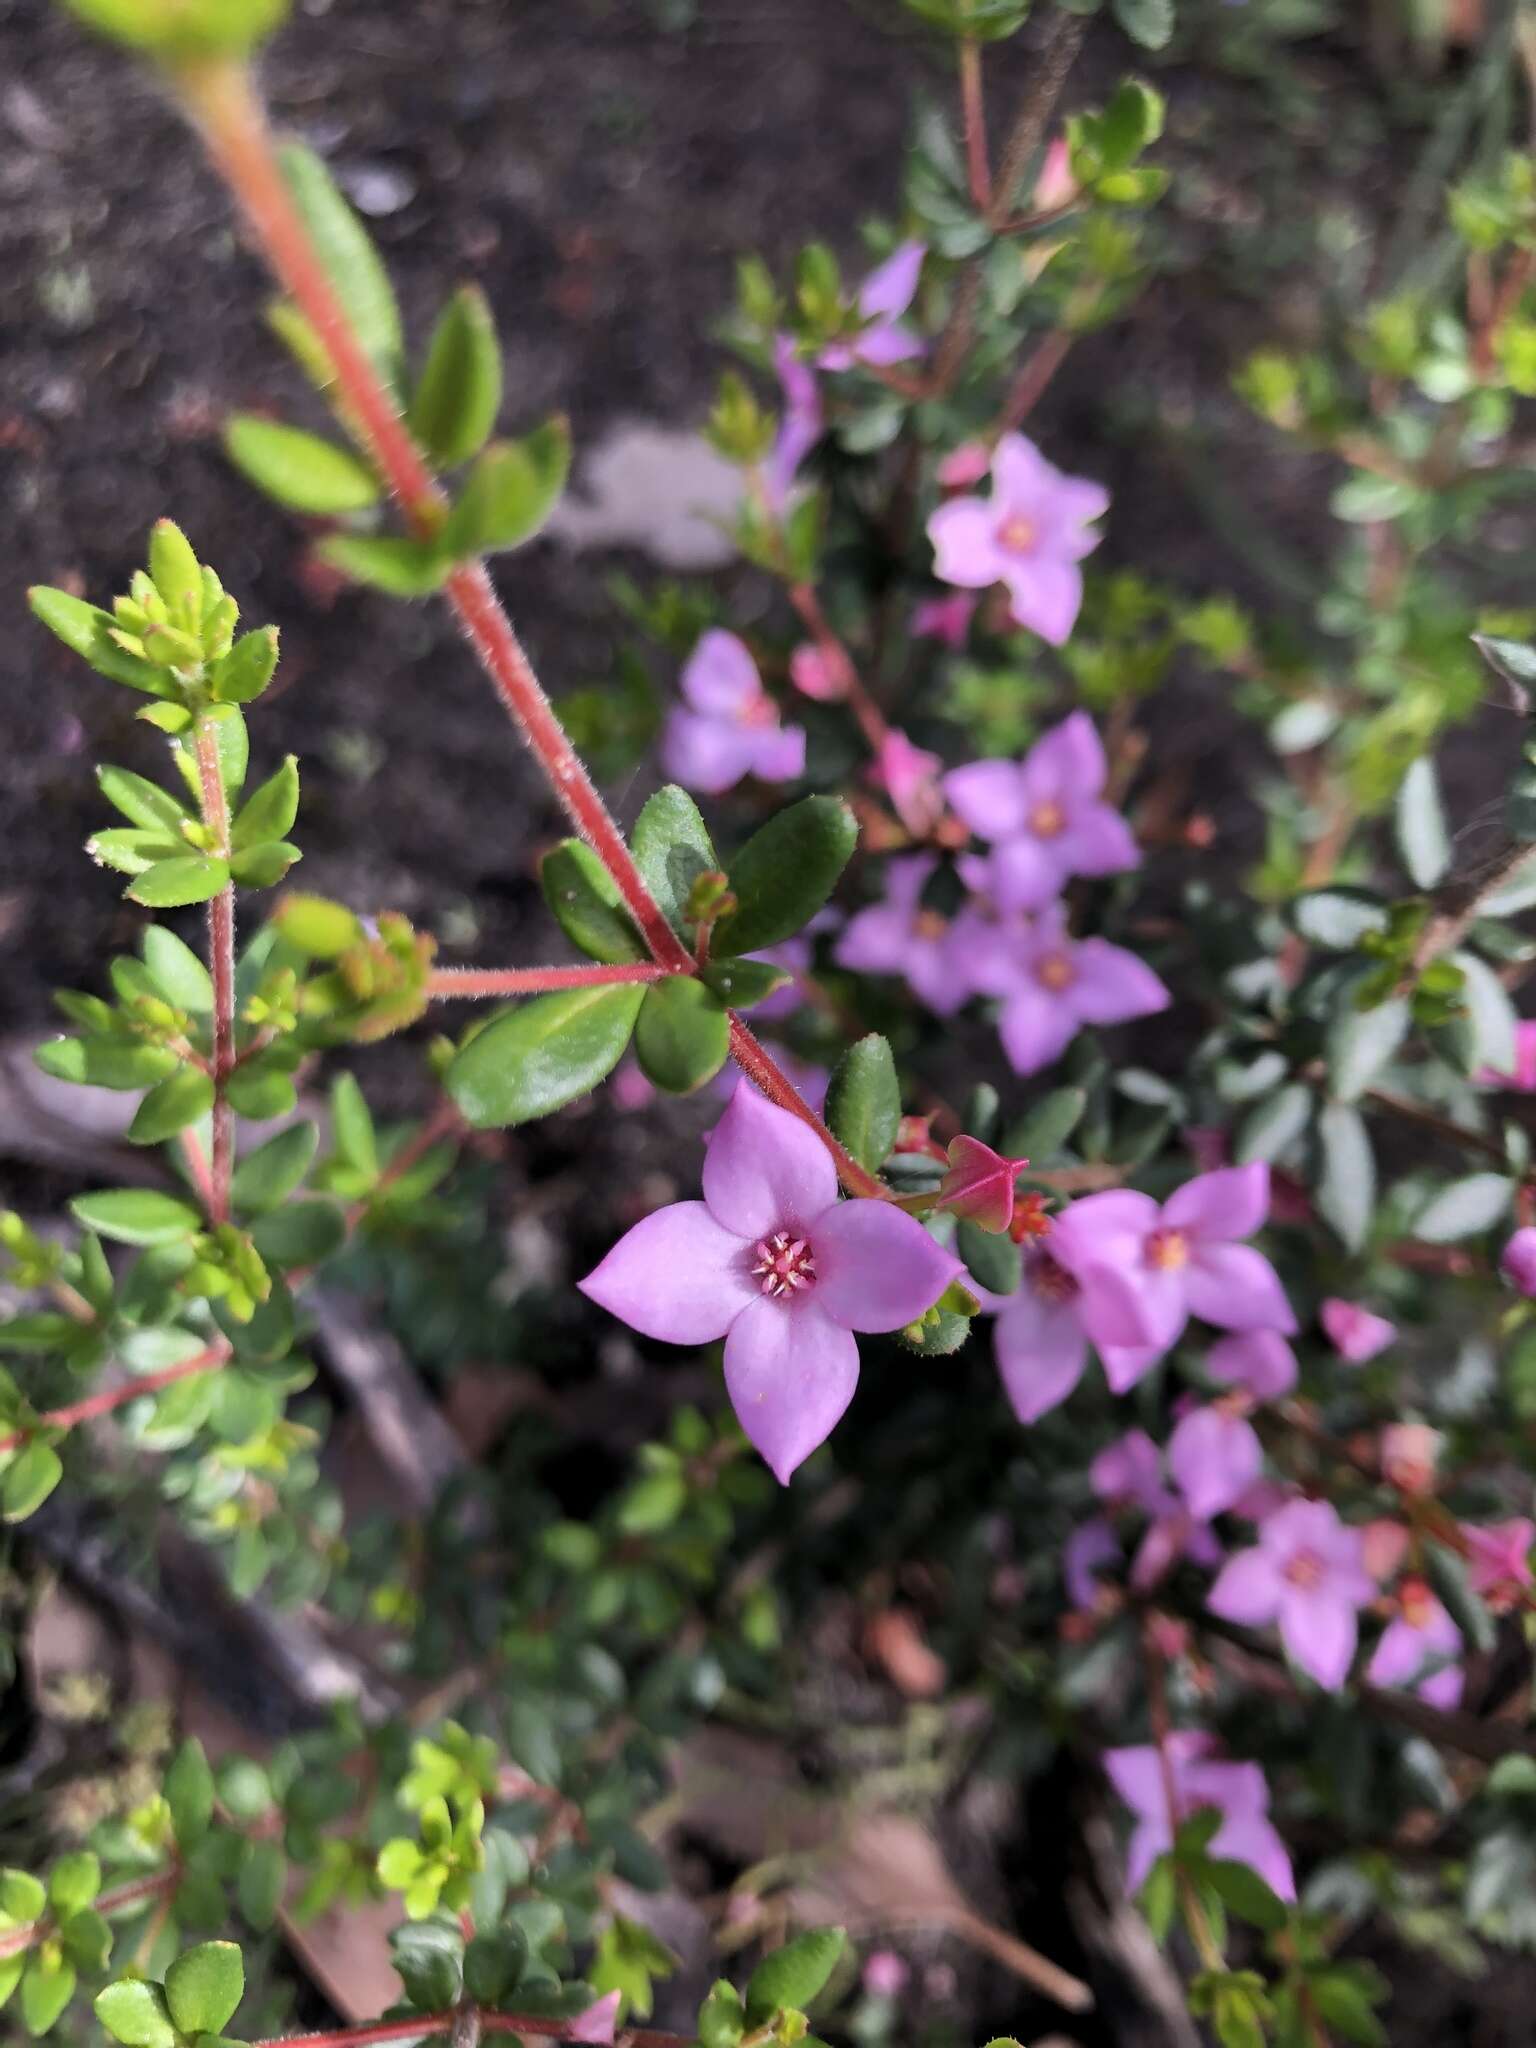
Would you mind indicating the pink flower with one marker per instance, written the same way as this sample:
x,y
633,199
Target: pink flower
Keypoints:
x,y
885,1974
910,778
775,1264
1046,816
1179,1260
1214,1456
1055,185
631,1090
886,294
597,2022
800,426
1087,1550
1517,1261
964,466
1307,1571
1524,1076
1200,1781
729,726
1130,1472
1030,534
1051,985
945,618
1041,1340
1353,1331
898,936
795,956
1421,1634
1499,1561
1259,1360
818,674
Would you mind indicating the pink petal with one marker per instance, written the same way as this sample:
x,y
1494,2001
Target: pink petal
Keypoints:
x,y
1112,985
1020,473
885,343
1251,1839
1259,1360
765,1170
1137,1775
932,978
1354,1332
1400,1655
1068,761
721,678
707,754
1214,1458
889,288
876,1267
988,796
1131,1469
790,1372
1108,1229
964,545
1126,1364
875,941
597,2022
1078,502
1099,842
1035,1028
1236,1288
1248,1589
1319,1632
1230,1203
1025,873
678,1275
1040,1349
778,754
1090,1546
1046,595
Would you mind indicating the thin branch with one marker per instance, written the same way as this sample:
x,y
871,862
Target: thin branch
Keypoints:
x,y
221,964
1063,41
1458,904
19,1939
420,2024
448,984
1028,388
973,114
103,1403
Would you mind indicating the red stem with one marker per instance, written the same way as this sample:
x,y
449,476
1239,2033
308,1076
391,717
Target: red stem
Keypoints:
x,y
974,117
450,983
872,721
1029,386
116,1397
19,1939
442,2022
221,962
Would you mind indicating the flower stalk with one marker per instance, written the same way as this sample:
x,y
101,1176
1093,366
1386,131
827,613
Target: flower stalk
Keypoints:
x,y
221,965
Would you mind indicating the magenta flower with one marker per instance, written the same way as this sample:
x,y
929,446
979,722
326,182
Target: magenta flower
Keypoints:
x,y
1201,1781
1353,1331
945,618
819,673
1524,1076
800,425
1030,535
1517,1261
775,1264
1040,1339
1307,1572
1422,1634
729,725
1179,1260
885,295
964,466
910,778
1045,815
1130,1472
1259,1360
898,936
1499,1561
885,1974
1214,1456
1051,985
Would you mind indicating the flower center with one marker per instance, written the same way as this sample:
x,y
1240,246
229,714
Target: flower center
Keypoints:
x,y
1055,971
1016,534
758,709
1168,1250
1047,820
929,924
1305,1570
1052,1282
784,1264
1417,1602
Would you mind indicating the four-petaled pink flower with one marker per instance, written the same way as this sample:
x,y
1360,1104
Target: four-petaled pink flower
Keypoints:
x,y
1180,1259
898,936
1354,1332
1030,535
884,296
1306,1572
729,725
1052,984
775,1264
1045,816
1200,1780
1421,1634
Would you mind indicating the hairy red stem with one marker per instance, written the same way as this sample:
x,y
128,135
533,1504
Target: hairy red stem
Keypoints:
x,y
450,983
443,2022
221,965
116,1397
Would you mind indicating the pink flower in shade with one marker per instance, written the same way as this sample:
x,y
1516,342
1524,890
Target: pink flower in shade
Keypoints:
x,y
1030,535
1051,985
1499,1561
819,674
631,1089
1179,1260
964,466
910,778
1259,1360
1214,1456
1421,1634
1517,1261
885,295
800,426
1090,1547
1524,1076
898,936
775,1264
1200,1780
1130,1472
945,618
1045,815
1353,1331
728,726
885,1974
597,2022
1040,1339
1307,1572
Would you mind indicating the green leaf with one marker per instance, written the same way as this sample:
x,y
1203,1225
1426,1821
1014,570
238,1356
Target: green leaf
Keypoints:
x,y
652,1504
991,1259
543,1054
400,568
179,29
786,872
298,469
1487,1029
864,1101
136,2014
493,1963
136,1216
233,742
792,1975
46,1989
722,2017
682,1035
190,878
28,1480
143,803
188,1789
348,257
1464,1209
87,1939
259,867
270,812
104,1062
352,1126
180,1099
87,631
259,1887
1361,1043
1346,1188
739,983
1245,1892
173,566
454,406
241,675
1148,22
266,1177
300,1234
73,1883
1338,918
1272,1126
204,1986
511,492
1042,1131
177,971
1419,819
672,848
587,905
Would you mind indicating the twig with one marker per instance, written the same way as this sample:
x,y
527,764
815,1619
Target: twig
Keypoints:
x,y
211,1360
973,116
1457,905
450,984
1063,42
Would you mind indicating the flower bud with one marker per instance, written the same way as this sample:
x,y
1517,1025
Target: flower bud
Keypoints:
x,y
1517,1261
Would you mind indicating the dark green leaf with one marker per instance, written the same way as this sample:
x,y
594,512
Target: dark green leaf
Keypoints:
x,y
587,905
270,812
740,983
1338,918
543,1054
493,1963
1148,22
136,1216
268,1176
104,1062
785,873
180,1099
242,674
352,1126
259,1887
864,1101
180,975
682,1035
299,470
454,406
672,848
28,1480
1042,1130
143,803
259,867
136,2014
1361,1043
991,1259
46,1989
300,1233
1246,1893
1272,1126
189,1794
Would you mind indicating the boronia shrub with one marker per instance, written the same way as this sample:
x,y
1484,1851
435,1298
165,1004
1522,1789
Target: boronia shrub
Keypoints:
x,y
1226,1172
